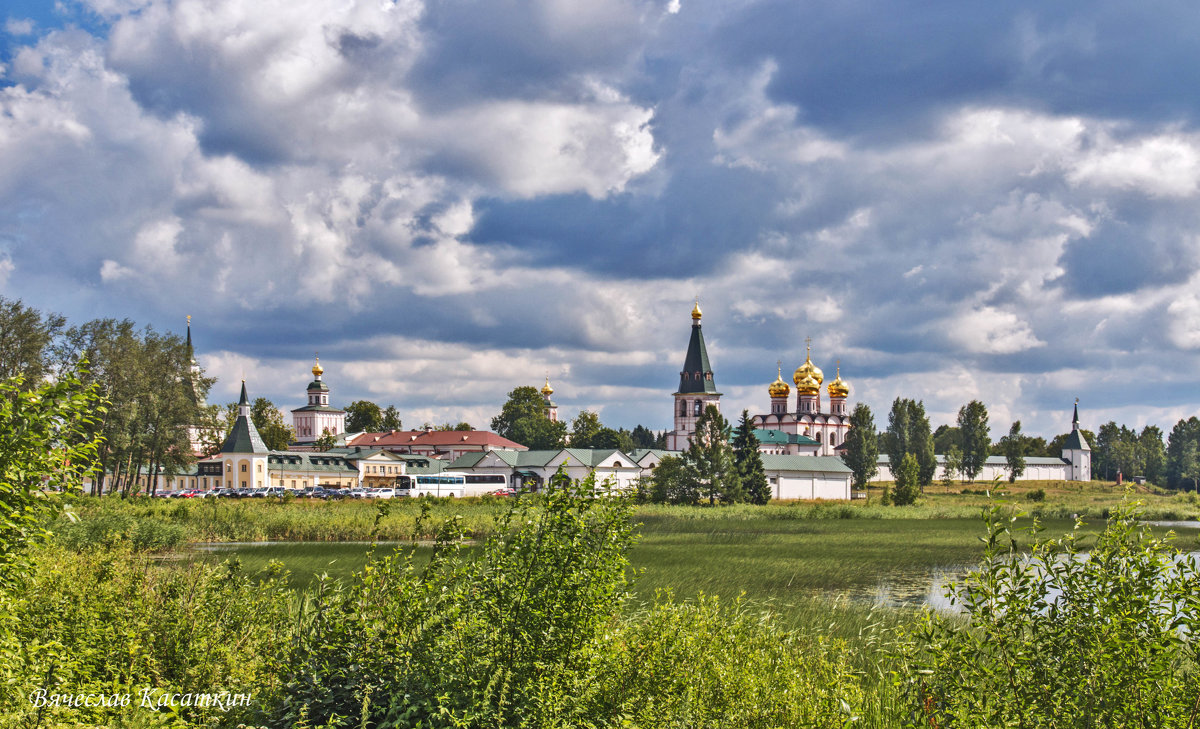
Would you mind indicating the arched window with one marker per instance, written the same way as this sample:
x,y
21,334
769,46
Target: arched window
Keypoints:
x,y
818,437
699,408
683,407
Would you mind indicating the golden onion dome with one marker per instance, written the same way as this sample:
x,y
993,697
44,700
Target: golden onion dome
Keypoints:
x,y
779,388
546,389
839,388
317,369
696,313
808,385
808,369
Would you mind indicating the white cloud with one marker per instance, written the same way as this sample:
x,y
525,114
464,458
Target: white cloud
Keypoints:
x,y
19,26
988,330
6,268
1165,165
111,271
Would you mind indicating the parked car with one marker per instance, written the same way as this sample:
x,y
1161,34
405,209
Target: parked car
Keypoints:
x,y
358,494
384,493
505,492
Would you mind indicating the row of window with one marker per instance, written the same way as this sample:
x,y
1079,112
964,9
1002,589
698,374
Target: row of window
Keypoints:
x,y
697,407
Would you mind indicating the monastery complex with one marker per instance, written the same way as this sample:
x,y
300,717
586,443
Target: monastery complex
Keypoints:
x,y
800,440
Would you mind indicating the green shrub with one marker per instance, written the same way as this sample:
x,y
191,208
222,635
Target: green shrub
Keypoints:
x,y
108,529
1063,639
109,621
1037,495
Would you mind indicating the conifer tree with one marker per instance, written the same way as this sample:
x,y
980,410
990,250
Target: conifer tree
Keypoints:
x,y
749,462
711,457
862,446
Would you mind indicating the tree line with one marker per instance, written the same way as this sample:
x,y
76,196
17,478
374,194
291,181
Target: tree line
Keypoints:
x,y
145,379
523,420
720,466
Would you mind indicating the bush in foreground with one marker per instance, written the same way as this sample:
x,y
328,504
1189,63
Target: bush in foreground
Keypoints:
x,y
1061,638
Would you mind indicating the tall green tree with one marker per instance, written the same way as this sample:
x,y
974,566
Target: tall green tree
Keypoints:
x,y
1013,447
27,342
908,481
896,443
908,432
748,461
1153,454
1178,461
363,416
268,420
584,429
391,419
862,447
944,438
711,456
540,434
153,394
524,403
643,437
976,438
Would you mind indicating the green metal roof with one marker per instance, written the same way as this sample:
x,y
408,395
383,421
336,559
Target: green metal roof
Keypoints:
x,y
697,375
822,464
771,436
244,437
317,462
317,409
1076,442
318,385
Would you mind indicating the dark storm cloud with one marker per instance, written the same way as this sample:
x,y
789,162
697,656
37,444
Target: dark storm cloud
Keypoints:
x,y
881,70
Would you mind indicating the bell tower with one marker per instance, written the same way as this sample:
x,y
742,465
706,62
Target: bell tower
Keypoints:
x,y
697,388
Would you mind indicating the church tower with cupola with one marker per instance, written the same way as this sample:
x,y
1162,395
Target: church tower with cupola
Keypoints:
x,y
838,392
317,417
551,409
697,388
779,392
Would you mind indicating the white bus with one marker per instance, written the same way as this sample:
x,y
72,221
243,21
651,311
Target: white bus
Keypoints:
x,y
479,484
435,484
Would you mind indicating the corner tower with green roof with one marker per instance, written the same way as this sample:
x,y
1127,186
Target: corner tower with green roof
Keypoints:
x,y
244,455
697,388
1077,452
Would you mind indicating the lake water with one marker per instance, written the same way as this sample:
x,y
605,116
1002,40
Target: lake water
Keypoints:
x,y
896,588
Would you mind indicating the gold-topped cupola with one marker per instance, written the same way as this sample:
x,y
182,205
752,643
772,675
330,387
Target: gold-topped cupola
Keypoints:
x,y
838,388
696,313
547,391
317,369
808,368
779,388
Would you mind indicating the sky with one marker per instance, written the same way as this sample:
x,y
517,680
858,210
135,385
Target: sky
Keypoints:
x,y
451,199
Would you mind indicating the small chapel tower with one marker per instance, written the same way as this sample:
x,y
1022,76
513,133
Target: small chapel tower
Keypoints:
x,y
317,417
697,388
1077,452
551,409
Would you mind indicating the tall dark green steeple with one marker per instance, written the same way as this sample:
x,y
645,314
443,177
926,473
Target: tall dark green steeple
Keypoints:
x,y
697,374
244,437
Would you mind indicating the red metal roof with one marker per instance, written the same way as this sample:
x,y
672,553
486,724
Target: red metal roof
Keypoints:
x,y
441,439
